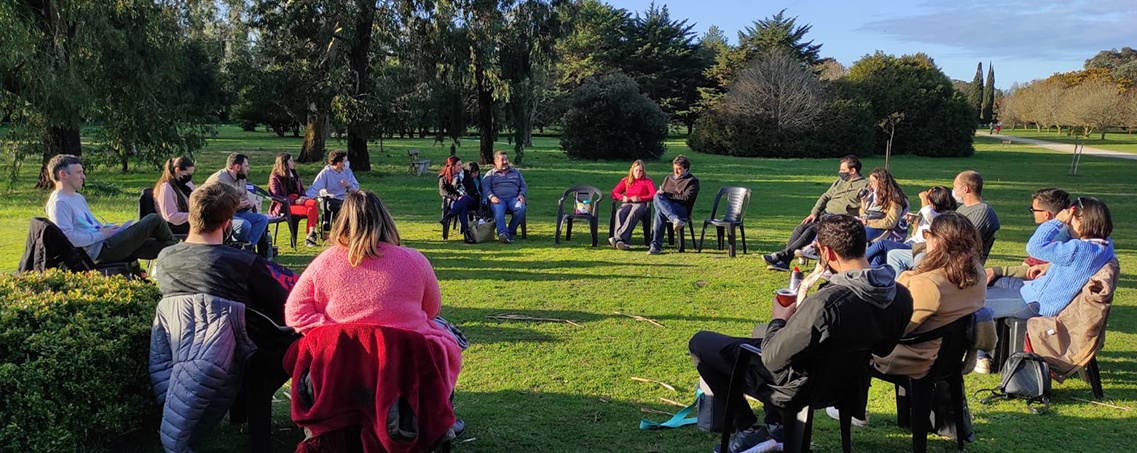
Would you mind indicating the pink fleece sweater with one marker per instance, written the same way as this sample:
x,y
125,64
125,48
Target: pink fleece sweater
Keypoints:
x,y
398,289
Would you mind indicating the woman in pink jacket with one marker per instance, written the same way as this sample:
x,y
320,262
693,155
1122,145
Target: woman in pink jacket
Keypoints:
x,y
366,277
635,192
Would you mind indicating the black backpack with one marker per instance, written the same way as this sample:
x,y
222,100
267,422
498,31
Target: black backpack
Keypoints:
x,y
1025,375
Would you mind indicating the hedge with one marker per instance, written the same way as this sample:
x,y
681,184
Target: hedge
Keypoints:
x,y
74,353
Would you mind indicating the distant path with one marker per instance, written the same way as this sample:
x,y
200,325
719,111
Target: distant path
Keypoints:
x,y
1069,149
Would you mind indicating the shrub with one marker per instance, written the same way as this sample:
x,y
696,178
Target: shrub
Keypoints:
x,y
74,354
843,127
608,118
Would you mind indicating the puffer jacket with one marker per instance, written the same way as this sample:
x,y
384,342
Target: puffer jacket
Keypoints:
x,y
198,348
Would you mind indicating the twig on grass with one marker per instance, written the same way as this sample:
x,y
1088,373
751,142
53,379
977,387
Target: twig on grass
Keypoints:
x,y
649,381
516,317
653,411
639,318
1099,403
672,402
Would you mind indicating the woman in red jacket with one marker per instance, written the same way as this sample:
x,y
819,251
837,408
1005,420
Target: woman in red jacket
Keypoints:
x,y
284,182
636,192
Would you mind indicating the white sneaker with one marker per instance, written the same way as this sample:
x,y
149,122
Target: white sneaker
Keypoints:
x,y
983,365
836,415
766,445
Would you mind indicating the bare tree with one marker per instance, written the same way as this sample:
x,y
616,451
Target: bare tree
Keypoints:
x,y
777,88
1095,104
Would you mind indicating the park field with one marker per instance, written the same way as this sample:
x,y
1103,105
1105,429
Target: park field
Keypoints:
x,y
1114,140
568,387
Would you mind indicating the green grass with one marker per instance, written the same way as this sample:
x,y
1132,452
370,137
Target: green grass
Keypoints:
x,y
1114,141
557,387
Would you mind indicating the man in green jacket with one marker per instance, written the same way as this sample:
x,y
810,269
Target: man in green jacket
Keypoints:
x,y
841,198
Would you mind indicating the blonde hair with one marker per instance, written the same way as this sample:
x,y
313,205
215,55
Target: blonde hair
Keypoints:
x,y
362,224
632,172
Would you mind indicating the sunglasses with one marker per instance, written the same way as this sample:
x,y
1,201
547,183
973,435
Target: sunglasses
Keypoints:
x,y
1078,203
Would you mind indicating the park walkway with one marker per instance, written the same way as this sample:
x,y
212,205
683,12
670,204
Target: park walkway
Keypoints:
x,y
1066,148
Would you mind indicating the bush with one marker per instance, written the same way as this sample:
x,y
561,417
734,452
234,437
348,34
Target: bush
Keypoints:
x,y
74,351
608,118
843,127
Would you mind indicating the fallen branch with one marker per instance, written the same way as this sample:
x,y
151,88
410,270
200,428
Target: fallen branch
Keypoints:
x,y
672,402
1099,403
663,384
514,317
653,411
639,318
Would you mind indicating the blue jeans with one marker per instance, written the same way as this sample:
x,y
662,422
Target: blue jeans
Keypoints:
x,y
877,253
901,260
257,225
1004,298
461,209
504,205
665,211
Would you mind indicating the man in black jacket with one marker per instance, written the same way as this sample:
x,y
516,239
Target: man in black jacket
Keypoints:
x,y
674,201
861,306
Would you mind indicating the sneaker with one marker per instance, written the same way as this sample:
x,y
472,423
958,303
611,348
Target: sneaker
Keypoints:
x,y
504,238
983,365
653,250
778,266
836,415
612,241
459,428
622,246
772,258
678,225
312,240
753,440
808,252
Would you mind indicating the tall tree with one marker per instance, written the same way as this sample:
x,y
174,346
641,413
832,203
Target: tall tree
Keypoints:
x,y
664,61
779,32
975,93
988,112
527,51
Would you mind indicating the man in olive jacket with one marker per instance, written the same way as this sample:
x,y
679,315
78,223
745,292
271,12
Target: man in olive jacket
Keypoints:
x,y
841,198
861,308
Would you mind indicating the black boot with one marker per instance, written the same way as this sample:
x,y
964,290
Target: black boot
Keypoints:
x,y
468,237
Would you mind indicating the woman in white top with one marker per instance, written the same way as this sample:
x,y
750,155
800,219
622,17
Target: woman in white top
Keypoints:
x,y
933,202
171,193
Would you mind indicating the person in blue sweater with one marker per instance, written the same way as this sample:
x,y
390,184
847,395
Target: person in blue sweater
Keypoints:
x,y
1072,262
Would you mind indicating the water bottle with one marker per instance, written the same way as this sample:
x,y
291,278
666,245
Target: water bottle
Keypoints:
x,y
587,206
795,279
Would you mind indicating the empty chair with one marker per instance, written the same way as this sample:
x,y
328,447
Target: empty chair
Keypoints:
x,y
583,201
728,212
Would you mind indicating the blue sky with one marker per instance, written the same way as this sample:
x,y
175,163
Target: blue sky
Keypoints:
x,y
1023,39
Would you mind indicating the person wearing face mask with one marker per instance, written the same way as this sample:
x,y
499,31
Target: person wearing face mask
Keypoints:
x,y
172,192
967,190
253,225
284,182
202,279
861,308
840,198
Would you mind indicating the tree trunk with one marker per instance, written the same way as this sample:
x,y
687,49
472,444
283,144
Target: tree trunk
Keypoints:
x,y
57,140
486,127
357,131
315,136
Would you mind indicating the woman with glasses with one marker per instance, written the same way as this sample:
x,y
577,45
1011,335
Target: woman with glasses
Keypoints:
x,y
1072,261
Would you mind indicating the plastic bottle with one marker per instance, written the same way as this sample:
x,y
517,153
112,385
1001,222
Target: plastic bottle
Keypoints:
x,y
795,279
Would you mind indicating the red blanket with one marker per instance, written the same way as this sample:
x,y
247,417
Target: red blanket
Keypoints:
x,y
359,374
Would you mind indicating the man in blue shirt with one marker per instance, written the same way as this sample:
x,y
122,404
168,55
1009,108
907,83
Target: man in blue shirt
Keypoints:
x,y
506,191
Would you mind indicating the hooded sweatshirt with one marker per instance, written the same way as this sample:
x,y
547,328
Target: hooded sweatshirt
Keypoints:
x,y
857,309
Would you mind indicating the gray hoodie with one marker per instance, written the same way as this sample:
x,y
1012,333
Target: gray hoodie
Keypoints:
x,y
857,309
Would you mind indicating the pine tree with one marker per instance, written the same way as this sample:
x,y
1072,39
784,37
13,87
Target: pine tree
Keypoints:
x,y
975,94
988,114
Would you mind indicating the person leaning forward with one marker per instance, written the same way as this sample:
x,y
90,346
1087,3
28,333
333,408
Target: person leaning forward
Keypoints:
x,y
840,198
861,308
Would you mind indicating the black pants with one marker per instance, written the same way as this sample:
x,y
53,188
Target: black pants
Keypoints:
x,y
714,355
802,236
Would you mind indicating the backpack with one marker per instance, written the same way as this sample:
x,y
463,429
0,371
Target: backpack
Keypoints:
x,y
1025,375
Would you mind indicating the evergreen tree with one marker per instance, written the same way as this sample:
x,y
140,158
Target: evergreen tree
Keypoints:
x,y
988,114
975,93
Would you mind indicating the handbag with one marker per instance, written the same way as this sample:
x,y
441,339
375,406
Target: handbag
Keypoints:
x,y
484,231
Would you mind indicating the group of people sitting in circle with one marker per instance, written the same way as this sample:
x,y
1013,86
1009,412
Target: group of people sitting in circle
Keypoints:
x,y
402,290
882,286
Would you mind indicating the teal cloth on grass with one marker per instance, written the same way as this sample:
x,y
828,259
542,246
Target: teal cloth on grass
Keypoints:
x,y
687,416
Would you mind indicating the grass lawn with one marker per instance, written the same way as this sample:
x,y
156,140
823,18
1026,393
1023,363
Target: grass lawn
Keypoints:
x,y
1114,140
559,387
